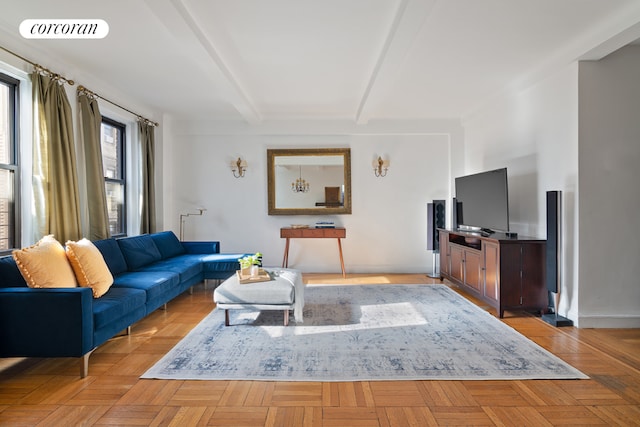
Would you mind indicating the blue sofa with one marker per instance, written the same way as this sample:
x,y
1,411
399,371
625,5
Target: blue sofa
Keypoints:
x,y
148,270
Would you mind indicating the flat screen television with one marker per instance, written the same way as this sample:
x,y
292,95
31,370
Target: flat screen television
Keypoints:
x,y
482,201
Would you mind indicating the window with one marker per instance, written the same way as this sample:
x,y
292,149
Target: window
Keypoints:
x,y
113,162
9,224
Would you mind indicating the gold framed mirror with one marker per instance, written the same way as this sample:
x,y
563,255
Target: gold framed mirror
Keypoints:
x,y
309,181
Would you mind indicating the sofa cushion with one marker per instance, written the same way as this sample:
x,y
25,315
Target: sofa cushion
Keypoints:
x,y
221,262
45,265
116,303
154,283
168,244
89,266
187,266
112,254
139,251
10,276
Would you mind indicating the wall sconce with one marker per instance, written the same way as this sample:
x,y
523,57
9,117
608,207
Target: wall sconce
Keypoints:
x,y
182,218
238,167
380,166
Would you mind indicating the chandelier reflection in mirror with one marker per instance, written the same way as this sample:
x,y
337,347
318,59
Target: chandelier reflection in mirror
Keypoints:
x,y
300,185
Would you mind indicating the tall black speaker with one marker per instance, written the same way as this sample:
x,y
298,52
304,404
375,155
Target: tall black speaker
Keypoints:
x,y
436,218
554,240
553,261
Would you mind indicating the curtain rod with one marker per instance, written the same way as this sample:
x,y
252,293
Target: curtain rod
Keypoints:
x,y
80,88
40,67
86,91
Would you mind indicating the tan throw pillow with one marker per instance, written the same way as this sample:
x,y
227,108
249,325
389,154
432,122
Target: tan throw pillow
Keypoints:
x,y
45,265
90,267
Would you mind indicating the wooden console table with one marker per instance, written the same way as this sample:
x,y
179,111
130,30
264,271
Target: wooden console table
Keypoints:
x,y
312,233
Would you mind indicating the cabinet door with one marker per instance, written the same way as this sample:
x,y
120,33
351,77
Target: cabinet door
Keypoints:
x,y
473,269
457,262
445,256
491,270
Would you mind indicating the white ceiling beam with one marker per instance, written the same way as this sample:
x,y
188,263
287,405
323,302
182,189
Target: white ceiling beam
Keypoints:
x,y
408,20
192,32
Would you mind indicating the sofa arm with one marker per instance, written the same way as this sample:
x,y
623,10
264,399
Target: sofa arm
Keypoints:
x,y
202,247
46,322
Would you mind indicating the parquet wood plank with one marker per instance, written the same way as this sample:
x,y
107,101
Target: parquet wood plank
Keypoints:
x,y
495,393
571,415
396,393
330,394
235,393
49,391
137,415
198,393
245,416
506,416
312,417
187,416
28,415
627,415
259,393
546,392
339,417
150,393
410,417
461,416
285,417
74,416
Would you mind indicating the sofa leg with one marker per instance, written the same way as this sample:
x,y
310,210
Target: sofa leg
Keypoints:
x,y
128,330
190,290
84,364
164,306
286,318
226,318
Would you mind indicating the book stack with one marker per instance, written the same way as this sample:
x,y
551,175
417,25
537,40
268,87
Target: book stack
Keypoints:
x,y
325,224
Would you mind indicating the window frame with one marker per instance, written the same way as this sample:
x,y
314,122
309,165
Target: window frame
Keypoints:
x,y
122,128
14,166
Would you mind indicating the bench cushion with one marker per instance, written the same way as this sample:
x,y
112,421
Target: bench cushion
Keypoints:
x,y
278,291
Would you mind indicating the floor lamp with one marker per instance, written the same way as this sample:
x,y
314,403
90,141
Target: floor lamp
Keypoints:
x,y
184,216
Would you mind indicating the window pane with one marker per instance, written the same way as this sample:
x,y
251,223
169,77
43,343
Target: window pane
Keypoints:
x,y
111,149
115,207
5,121
6,209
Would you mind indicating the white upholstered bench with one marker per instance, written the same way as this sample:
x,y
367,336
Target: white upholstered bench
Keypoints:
x,y
285,292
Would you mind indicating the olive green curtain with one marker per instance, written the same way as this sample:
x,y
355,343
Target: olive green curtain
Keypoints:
x,y
54,161
146,133
90,122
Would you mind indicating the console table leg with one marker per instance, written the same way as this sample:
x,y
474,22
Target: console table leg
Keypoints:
x,y
285,259
341,259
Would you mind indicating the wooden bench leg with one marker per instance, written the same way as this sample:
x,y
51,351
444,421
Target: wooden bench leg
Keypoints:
x,y
226,318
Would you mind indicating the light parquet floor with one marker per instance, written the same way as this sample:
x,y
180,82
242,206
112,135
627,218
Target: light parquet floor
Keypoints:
x,y
49,392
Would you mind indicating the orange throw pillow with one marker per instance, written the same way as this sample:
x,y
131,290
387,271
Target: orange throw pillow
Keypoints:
x,y
89,266
45,265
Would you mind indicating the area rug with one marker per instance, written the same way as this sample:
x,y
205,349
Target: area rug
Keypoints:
x,y
362,333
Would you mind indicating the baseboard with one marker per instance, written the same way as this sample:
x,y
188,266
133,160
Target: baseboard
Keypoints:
x,y
604,321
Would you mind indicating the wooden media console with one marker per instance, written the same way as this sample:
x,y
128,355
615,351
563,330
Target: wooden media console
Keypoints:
x,y
504,272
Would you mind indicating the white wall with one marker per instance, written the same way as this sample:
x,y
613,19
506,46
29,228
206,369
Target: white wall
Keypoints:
x,y
578,131
610,198
534,133
386,231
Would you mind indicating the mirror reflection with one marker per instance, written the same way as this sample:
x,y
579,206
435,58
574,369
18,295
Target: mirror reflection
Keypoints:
x,y
309,181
